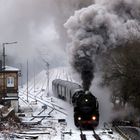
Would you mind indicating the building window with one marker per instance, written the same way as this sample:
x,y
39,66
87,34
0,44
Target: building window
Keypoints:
x,y
10,81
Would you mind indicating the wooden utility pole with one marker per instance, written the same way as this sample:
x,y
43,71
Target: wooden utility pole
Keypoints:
x,y
27,80
34,76
47,72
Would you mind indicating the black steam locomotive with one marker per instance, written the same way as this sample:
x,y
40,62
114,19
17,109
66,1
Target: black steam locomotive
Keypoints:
x,y
85,104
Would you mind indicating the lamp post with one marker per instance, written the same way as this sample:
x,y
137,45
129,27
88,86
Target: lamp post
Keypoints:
x,y
3,45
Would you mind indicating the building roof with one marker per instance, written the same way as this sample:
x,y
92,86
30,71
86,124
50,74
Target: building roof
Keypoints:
x,y
9,68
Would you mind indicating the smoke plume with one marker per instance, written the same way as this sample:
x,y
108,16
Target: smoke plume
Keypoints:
x,y
100,27
82,62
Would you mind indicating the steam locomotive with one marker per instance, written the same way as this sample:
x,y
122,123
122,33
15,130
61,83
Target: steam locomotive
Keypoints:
x,y
86,108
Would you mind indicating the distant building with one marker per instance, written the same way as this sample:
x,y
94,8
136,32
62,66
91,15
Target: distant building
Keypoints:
x,y
9,87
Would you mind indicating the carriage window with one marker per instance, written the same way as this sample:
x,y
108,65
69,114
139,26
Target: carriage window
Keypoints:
x,y
10,81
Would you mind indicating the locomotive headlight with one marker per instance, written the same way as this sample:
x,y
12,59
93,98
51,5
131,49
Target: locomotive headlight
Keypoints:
x,y
79,118
86,100
93,118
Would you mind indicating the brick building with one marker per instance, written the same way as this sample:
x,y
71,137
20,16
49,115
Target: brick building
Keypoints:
x,y
9,87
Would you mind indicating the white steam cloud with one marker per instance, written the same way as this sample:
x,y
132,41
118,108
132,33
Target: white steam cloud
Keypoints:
x,y
103,96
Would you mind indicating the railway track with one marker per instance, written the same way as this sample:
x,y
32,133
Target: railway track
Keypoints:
x,y
85,137
128,133
95,135
47,103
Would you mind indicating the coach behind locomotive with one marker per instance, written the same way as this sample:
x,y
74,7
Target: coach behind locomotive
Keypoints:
x,y
85,104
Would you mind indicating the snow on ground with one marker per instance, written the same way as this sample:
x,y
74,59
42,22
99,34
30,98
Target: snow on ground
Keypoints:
x,y
49,124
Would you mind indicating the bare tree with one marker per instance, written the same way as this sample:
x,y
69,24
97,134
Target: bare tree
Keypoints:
x,y
121,68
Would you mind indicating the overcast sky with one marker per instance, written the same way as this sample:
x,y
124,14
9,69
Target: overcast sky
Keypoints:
x,y
37,26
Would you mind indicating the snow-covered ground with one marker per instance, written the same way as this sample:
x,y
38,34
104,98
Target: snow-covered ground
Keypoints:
x,y
57,109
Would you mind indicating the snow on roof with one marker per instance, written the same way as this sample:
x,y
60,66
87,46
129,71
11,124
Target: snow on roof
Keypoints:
x,y
10,98
9,68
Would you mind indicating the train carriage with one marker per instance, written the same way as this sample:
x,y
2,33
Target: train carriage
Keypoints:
x,y
64,89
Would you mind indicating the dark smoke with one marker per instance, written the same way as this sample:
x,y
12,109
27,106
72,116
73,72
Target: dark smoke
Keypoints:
x,y
100,27
83,64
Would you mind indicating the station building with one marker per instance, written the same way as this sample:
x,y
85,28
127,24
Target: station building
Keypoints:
x,y
9,87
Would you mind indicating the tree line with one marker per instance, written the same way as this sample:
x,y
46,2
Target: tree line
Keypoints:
x,y
121,72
